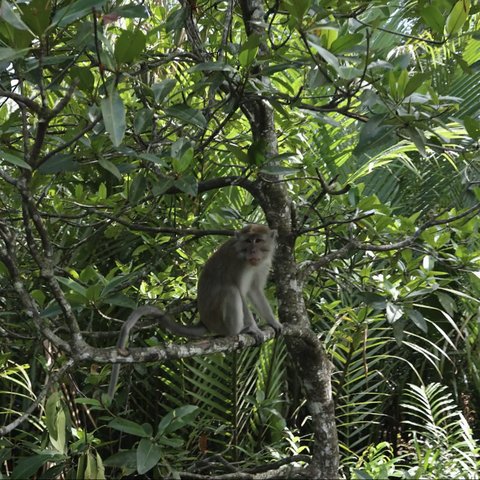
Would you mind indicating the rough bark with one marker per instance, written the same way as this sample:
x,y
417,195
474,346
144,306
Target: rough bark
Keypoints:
x,y
309,356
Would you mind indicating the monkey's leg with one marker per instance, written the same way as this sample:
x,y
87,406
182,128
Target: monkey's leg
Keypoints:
x,y
249,323
232,311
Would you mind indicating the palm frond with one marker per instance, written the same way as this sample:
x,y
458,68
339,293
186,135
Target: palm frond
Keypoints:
x,y
441,437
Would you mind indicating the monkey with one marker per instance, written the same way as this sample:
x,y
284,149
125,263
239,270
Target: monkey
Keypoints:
x,y
234,276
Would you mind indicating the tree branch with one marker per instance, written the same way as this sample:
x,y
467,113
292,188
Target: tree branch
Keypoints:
x,y
54,378
354,245
175,351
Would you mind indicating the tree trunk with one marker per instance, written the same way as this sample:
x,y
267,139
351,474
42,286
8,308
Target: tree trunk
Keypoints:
x,y
309,355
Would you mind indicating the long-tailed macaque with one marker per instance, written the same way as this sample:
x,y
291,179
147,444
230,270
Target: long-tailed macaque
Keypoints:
x,y
234,276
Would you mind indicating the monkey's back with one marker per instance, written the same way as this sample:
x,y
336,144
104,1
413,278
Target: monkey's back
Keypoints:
x,y
216,286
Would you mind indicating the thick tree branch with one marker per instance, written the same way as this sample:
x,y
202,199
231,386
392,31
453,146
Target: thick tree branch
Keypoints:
x,y
175,351
22,100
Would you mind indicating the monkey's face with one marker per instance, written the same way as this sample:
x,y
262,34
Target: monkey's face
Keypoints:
x,y
256,250
255,244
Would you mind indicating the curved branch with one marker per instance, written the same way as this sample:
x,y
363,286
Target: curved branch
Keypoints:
x,y
22,100
353,245
174,351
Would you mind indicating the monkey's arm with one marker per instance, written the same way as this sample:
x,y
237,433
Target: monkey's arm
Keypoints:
x,y
164,320
260,302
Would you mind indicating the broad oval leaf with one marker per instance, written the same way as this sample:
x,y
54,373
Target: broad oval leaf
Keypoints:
x,y
417,318
129,46
328,56
75,10
62,162
148,455
113,112
127,426
11,16
37,15
137,190
110,167
131,11
457,17
187,114
27,467
432,16
162,89
182,154
13,159
177,419
8,54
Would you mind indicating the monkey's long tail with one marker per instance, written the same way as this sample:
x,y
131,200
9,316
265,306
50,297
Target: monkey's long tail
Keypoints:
x,y
164,320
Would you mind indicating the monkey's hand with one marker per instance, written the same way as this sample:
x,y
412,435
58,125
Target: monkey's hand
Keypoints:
x,y
256,333
277,326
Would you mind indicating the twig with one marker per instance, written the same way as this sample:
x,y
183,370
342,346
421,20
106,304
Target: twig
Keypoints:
x,y
40,397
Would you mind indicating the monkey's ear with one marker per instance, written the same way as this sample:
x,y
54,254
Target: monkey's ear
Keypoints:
x,y
273,234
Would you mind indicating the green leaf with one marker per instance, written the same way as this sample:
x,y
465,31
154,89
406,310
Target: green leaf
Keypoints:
x,y
177,419
457,17
11,16
182,154
328,56
84,77
73,285
129,46
162,89
113,112
127,426
373,134
51,407
432,16
248,51
375,300
212,67
13,159
110,167
59,163
90,472
297,8
75,11
417,318
8,54
176,20
415,82
447,303
346,42
279,170
187,114
120,300
123,459
28,467
131,11
472,126
143,120
37,14
148,455
136,192
187,184
58,440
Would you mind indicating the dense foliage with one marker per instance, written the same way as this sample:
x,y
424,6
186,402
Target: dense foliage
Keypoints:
x,y
127,152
